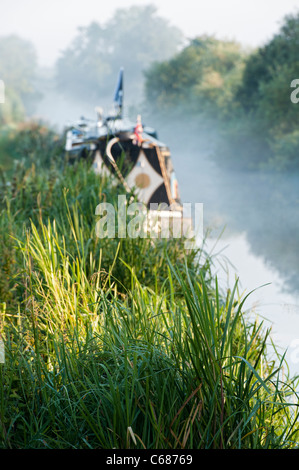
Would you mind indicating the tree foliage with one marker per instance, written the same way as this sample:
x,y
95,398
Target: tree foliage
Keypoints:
x,y
132,38
264,93
201,78
247,93
18,64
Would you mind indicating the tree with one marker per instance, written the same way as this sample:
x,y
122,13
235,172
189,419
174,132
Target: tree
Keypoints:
x,y
264,93
133,38
202,78
18,70
269,64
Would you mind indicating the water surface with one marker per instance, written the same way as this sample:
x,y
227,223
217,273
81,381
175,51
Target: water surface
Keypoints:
x,y
259,213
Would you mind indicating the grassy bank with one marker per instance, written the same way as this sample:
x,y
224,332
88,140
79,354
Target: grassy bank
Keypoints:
x,y
124,343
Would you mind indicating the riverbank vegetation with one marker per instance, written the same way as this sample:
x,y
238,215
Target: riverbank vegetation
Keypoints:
x,y
107,347
245,94
27,143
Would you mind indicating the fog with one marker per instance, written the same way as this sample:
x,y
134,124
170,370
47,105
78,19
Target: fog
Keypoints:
x,y
256,216
52,25
258,212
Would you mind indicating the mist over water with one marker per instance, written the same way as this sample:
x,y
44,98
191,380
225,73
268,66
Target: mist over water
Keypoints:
x,y
257,216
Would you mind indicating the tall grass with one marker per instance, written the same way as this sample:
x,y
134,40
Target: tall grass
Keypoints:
x,y
124,343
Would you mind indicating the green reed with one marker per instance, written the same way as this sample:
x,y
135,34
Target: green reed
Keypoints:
x,y
124,343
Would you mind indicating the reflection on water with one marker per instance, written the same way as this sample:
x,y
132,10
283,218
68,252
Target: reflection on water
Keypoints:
x,y
268,300
266,208
260,213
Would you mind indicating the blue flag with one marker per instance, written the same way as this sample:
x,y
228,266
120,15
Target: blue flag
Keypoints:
x,y
118,97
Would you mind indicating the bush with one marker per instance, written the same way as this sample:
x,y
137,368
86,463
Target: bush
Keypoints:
x,y
30,143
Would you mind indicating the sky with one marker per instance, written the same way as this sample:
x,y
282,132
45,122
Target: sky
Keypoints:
x,y
52,24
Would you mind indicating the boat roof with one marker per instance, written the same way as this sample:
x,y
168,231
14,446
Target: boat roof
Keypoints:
x,y
112,126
